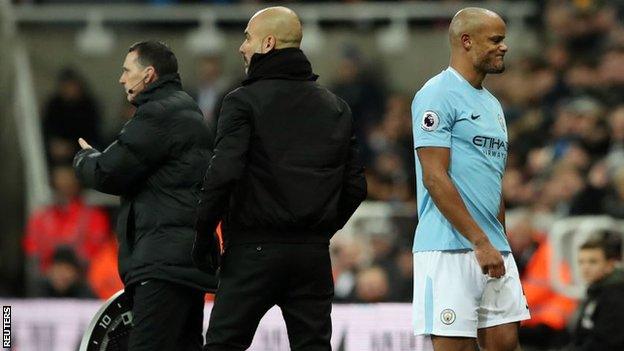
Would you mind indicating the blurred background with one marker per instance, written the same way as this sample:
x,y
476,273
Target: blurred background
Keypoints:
x,y
562,91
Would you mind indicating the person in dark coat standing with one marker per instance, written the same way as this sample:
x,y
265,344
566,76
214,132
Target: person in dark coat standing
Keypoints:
x,y
156,165
71,112
284,178
598,326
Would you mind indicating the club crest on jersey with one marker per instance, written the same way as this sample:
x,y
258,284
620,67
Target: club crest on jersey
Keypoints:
x,y
430,121
447,316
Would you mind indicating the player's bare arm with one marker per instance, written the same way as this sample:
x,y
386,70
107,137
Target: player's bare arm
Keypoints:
x,y
435,165
501,214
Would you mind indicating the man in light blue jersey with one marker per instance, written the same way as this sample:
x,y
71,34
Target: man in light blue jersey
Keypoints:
x,y
467,291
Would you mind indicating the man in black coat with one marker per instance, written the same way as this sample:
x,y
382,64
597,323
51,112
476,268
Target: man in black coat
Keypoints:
x,y
598,326
156,165
284,178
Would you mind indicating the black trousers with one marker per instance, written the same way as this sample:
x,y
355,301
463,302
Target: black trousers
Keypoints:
x,y
254,278
166,316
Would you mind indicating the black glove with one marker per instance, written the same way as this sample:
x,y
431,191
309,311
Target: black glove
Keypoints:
x,y
206,252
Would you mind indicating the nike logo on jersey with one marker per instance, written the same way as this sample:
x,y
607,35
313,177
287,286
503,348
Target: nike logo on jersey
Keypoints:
x,y
474,117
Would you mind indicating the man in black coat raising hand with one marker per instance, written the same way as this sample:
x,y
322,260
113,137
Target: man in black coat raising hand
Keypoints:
x,y
156,166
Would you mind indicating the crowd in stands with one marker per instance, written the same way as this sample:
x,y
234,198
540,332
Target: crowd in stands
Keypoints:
x,y
565,115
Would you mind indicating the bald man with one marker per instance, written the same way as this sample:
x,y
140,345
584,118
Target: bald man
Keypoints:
x,y
284,178
466,284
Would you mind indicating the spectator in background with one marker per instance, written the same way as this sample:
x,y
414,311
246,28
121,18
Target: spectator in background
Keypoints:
x,y
65,278
393,132
560,186
68,221
614,200
580,78
550,311
583,25
518,190
611,75
388,179
377,248
589,128
402,280
363,93
597,327
103,273
591,200
391,176
580,122
395,260
615,155
70,113
523,237
211,88
383,249
372,285
347,258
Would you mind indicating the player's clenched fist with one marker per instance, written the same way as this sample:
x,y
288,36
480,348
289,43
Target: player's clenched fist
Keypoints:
x,y
490,260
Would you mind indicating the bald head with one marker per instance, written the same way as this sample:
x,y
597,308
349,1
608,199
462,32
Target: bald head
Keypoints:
x,y
272,28
280,22
477,43
471,21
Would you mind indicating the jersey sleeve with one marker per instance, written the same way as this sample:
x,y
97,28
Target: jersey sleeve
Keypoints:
x,y
432,118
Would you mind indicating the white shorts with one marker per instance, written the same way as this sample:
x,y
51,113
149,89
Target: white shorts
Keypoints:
x,y
452,297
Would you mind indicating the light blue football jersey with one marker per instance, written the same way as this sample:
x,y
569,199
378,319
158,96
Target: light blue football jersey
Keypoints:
x,y
449,112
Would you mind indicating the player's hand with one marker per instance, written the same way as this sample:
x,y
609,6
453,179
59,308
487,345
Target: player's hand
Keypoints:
x,y
206,252
83,144
489,259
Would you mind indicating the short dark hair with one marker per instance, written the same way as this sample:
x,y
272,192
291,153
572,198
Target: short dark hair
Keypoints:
x,y
157,54
608,246
66,254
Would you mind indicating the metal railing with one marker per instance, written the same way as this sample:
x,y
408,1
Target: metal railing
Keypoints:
x,y
26,114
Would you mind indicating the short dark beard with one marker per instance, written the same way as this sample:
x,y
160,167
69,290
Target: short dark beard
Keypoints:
x,y
487,67
494,70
